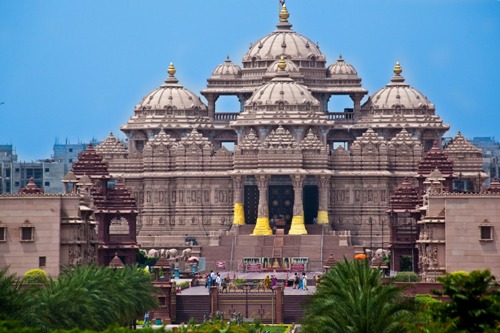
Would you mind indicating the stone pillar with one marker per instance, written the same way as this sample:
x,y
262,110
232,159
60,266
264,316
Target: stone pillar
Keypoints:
x,y
279,304
239,214
298,227
357,104
211,98
214,300
323,189
262,226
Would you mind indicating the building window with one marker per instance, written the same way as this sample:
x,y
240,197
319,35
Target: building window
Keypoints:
x,y
486,233
70,160
16,184
27,232
47,183
42,261
47,170
17,170
3,234
70,150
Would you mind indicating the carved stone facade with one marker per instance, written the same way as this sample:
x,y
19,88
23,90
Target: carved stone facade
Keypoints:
x,y
333,168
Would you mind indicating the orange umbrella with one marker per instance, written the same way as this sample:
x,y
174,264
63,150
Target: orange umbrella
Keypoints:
x,y
360,256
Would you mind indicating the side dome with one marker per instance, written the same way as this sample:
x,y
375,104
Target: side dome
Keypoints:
x,y
282,42
342,70
227,70
171,96
398,94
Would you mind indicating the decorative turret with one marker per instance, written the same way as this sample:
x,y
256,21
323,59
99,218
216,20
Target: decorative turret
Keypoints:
x,y
31,188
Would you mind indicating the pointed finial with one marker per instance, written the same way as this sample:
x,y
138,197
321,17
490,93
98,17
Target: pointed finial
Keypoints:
x,y
282,63
340,59
171,70
284,14
397,69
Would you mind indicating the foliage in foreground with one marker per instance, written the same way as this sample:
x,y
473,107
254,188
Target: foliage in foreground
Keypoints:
x,y
85,297
353,298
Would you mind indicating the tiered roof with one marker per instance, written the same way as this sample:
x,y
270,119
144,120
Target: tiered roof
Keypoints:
x,y
435,158
31,188
405,198
90,162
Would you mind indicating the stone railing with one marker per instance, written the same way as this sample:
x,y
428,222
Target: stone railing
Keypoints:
x,y
225,116
348,116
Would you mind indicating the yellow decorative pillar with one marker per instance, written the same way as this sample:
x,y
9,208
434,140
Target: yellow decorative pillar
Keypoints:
x,y
323,189
262,226
298,227
239,214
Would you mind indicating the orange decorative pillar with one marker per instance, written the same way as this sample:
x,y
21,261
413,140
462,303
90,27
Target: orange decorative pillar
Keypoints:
x,y
298,227
262,227
239,214
323,189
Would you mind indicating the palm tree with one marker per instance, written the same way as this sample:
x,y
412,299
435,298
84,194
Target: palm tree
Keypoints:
x,y
11,303
353,298
92,297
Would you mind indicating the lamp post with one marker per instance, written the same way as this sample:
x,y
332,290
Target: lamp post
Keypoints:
x,y
371,232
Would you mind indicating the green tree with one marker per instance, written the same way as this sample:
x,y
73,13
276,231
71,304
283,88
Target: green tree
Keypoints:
x,y
474,304
14,297
92,297
353,298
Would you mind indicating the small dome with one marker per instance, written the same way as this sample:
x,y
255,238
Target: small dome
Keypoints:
x,y
342,70
291,67
284,92
227,70
171,96
283,41
398,94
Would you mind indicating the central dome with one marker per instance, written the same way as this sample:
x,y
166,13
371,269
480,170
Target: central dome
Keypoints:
x,y
283,42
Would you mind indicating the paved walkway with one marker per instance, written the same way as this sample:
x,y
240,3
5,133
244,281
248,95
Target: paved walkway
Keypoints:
x,y
281,276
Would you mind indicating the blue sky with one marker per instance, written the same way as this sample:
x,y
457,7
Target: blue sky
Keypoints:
x,y
73,70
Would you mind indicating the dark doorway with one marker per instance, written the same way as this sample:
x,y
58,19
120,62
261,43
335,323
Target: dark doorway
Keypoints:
x,y
251,203
281,201
310,199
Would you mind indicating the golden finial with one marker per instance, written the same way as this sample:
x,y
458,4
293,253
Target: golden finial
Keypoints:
x,y
282,64
171,70
284,14
397,69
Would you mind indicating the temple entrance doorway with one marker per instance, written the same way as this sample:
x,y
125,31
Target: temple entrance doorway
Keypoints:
x,y
281,202
251,203
311,203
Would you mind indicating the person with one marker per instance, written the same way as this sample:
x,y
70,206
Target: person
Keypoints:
x,y
267,282
146,320
295,281
274,281
301,282
212,278
218,281
304,281
209,281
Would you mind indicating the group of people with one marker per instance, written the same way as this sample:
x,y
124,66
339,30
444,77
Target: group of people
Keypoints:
x,y
270,282
214,279
300,282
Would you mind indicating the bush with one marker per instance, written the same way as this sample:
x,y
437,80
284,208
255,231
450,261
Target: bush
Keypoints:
x,y
406,277
35,276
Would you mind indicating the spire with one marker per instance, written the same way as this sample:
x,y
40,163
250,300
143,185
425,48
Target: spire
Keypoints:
x,y
283,23
171,80
284,15
397,69
397,79
171,70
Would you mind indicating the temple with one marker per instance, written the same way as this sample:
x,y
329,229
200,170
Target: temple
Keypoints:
x,y
284,156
